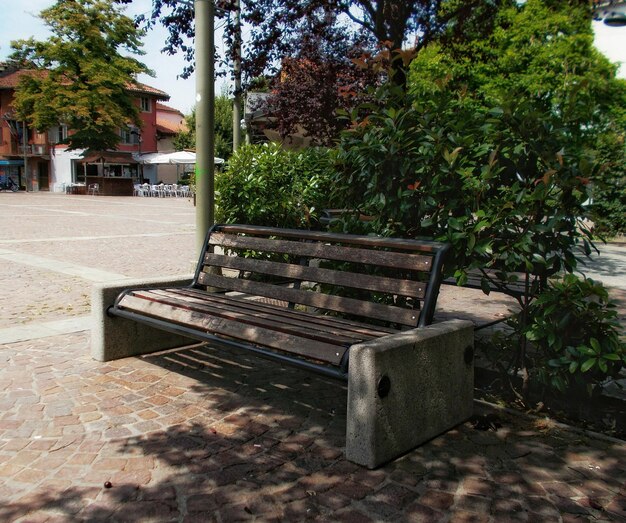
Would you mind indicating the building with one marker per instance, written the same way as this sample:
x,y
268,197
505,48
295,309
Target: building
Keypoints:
x,y
39,161
169,122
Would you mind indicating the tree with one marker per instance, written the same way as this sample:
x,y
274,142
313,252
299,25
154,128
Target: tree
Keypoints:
x,y
313,88
280,28
223,129
492,150
313,43
543,53
82,73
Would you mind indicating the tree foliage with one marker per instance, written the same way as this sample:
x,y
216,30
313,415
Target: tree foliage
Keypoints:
x,y
543,53
223,129
280,28
268,185
314,88
493,149
84,72
314,45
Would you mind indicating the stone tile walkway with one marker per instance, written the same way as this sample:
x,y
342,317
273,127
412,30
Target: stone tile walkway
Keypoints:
x,y
204,434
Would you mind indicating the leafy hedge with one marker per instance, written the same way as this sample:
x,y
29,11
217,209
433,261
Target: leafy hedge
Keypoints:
x,y
268,185
497,183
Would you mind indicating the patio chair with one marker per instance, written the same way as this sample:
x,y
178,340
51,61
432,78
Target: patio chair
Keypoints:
x,y
93,189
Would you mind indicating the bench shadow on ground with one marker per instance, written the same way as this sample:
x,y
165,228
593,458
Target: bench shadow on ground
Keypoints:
x,y
270,446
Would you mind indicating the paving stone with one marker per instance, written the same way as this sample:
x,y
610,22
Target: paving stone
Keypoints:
x,y
436,499
418,513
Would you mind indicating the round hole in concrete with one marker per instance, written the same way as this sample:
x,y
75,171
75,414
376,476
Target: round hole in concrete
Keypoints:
x,y
384,386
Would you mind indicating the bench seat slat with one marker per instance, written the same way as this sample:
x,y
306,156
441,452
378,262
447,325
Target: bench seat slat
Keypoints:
x,y
235,329
319,275
239,310
329,323
248,317
321,236
408,261
314,299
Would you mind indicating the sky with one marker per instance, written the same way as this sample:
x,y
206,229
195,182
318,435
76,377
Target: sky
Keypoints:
x,y
18,20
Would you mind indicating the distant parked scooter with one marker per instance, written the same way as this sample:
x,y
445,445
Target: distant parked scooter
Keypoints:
x,y
9,185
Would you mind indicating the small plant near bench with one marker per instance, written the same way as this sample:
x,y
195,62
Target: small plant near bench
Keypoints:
x,y
575,335
574,346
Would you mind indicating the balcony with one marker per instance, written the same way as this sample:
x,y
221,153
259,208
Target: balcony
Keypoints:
x,y
34,149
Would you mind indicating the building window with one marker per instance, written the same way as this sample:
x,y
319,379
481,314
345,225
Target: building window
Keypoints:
x,y
130,135
145,104
57,134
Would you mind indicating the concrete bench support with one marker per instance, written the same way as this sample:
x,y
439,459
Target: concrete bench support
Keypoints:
x,y
407,388
113,338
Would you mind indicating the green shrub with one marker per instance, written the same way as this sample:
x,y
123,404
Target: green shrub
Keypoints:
x,y
268,185
500,184
575,335
496,182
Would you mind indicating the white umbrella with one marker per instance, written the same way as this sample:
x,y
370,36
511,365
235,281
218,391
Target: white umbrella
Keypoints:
x,y
177,157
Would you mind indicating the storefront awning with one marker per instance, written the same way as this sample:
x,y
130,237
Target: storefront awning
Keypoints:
x,y
12,162
109,158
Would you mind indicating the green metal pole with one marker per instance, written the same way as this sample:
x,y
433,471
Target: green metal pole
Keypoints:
x,y
237,78
205,117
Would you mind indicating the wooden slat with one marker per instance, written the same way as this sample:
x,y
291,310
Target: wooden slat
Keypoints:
x,y
314,299
415,262
348,279
235,329
232,311
428,246
328,324
331,321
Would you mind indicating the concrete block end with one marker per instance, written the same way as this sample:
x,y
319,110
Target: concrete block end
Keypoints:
x,y
407,388
113,338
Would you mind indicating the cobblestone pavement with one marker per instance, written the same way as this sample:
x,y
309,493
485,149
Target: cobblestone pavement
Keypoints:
x,y
206,434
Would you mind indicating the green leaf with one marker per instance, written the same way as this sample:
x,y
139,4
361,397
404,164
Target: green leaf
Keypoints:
x,y
588,364
471,241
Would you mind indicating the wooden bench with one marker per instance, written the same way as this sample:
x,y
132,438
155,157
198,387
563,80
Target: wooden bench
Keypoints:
x,y
304,298
356,308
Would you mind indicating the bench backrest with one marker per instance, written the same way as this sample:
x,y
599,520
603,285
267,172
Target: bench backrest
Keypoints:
x,y
391,280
